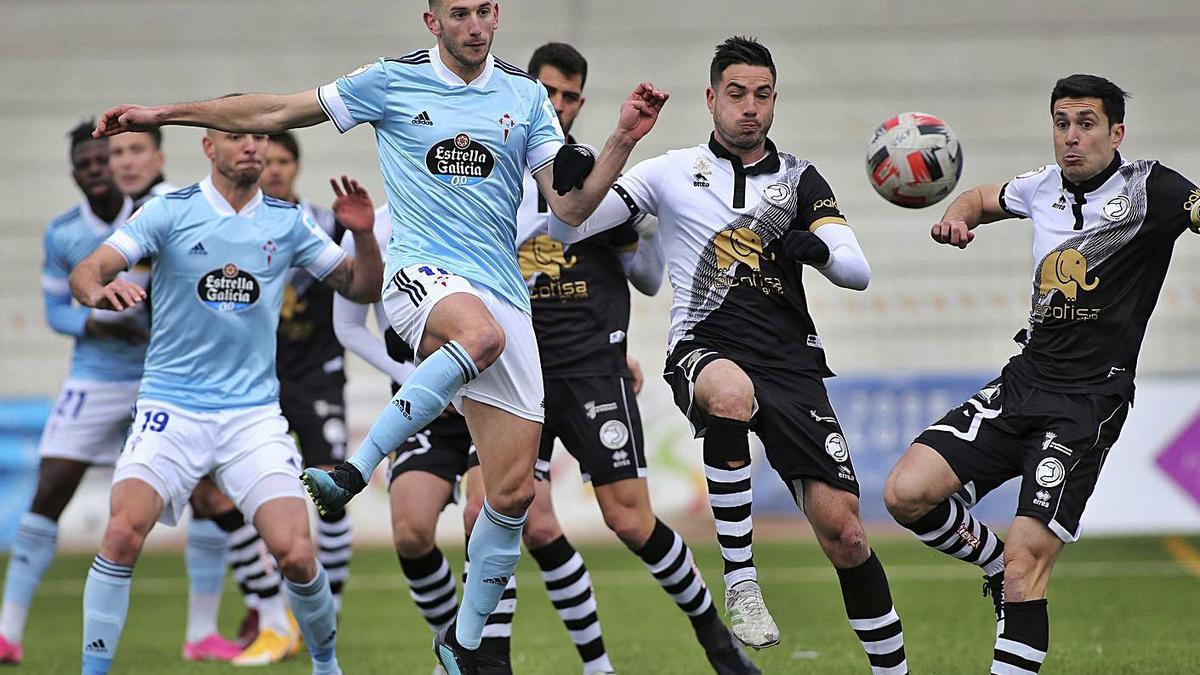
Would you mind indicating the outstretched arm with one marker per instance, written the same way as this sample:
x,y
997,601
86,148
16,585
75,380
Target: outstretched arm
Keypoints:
x,y
644,266
968,211
245,113
638,115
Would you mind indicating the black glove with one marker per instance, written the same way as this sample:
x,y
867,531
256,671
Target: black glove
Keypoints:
x,y
572,165
805,247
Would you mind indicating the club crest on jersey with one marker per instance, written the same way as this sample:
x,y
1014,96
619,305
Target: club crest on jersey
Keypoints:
x,y
614,434
1117,207
460,161
228,289
835,445
777,193
270,249
507,124
1050,473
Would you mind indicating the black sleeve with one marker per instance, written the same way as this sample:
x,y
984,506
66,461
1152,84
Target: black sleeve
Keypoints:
x,y
1172,200
624,237
816,204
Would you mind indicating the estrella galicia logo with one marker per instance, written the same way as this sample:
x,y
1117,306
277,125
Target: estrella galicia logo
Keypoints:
x,y
228,289
460,161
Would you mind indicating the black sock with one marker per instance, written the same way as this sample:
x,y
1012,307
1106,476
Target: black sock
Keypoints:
x,y
431,586
669,560
570,590
1022,647
951,529
727,441
869,606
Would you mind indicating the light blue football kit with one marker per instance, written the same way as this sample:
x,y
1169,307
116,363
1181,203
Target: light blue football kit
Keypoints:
x,y
453,156
208,402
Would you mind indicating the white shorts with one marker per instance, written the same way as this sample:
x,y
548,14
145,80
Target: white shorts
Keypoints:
x,y
172,449
89,422
514,382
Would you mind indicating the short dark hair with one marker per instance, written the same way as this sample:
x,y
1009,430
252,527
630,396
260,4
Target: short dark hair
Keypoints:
x,y
1112,97
155,137
739,49
288,141
562,56
81,133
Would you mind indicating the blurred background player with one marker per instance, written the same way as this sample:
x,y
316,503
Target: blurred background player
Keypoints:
x,y
217,531
424,471
91,416
580,299
739,220
1104,229
310,362
203,407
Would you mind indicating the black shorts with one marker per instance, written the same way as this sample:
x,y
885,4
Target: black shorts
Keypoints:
x,y
440,449
792,417
598,421
1055,442
316,417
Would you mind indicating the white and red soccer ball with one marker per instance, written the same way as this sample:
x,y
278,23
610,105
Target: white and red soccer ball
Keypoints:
x,y
914,160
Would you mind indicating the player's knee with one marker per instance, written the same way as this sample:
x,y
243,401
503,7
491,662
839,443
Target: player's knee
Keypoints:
x,y
540,532
122,541
904,497
1025,574
411,541
513,502
731,400
630,526
49,502
485,343
847,546
297,561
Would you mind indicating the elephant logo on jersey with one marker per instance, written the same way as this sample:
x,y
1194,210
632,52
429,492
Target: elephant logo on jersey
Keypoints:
x,y
460,161
1066,272
741,245
228,289
543,254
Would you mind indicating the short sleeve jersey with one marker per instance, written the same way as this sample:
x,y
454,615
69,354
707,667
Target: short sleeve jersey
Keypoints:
x,y
71,237
578,291
453,157
722,226
216,291
1101,251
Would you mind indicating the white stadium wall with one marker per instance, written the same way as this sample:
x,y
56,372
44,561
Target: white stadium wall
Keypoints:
x,y
931,312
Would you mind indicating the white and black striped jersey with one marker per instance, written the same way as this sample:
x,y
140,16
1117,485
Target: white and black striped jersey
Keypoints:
x,y
1101,251
722,226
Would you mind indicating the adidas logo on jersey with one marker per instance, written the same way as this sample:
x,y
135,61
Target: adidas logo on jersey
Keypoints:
x,y
198,249
423,119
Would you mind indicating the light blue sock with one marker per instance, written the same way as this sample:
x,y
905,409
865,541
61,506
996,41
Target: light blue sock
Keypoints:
x,y
312,603
105,604
205,557
424,396
494,549
32,552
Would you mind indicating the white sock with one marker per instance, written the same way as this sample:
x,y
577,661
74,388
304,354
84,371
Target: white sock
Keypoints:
x,y
202,615
12,622
272,613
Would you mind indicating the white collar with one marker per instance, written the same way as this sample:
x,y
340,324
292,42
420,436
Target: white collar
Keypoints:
x,y
222,206
449,77
97,224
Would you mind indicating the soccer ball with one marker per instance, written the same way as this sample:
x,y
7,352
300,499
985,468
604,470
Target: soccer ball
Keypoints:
x,y
914,160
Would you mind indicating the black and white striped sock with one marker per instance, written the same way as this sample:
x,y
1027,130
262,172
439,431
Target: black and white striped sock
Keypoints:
x,y
951,529
431,586
726,441
334,538
669,559
253,567
497,630
570,588
869,606
1022,647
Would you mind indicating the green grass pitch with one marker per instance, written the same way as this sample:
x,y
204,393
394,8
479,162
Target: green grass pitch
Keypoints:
x,y
1116,606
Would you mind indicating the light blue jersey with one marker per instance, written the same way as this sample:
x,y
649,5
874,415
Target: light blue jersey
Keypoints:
x,y
71,237
453,157
215,292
